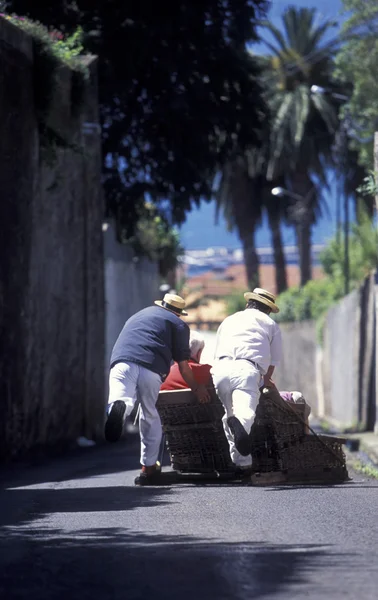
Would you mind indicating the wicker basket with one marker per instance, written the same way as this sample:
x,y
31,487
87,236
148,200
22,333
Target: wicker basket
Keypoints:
x,y
276,424
279,443
181,407
194,432
174,415
281,418
199,448
313,452
263,446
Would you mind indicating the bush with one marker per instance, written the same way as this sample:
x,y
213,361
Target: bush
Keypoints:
x,y
66,49
312,301
309,302
363,253
235,302
155,239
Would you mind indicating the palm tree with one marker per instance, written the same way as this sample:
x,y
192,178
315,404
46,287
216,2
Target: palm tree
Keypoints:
x,y
244,195
238,197
304,124
276,211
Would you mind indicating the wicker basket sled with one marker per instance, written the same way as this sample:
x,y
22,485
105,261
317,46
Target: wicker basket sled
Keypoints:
x,y
194,432
281,450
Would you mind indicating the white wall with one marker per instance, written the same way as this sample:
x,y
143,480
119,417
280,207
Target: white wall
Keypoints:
x,y
130,285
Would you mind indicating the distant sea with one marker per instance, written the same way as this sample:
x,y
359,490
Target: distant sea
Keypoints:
x,y
265,259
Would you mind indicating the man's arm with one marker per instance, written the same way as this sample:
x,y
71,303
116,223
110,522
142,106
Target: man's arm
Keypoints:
x,y
268,377
198,388
275,356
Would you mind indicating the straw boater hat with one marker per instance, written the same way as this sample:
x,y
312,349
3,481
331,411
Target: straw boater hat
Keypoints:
x,y
264,297
174,303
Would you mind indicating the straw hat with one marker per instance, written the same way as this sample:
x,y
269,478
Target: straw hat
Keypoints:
x,y
174,303
264,297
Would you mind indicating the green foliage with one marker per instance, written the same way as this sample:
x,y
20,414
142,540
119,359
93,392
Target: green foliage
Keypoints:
x,y
297,139
308,302
370,185
312,301
363,253
178,92
155,239
300,137
66,49
235,302
52,50
365,469
357,65
304,123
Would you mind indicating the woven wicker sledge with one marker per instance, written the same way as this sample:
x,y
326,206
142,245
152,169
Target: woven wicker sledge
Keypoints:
x,y
194,432
281,450
280,445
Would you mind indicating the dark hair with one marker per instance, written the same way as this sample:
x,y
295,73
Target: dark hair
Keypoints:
x,y
259,306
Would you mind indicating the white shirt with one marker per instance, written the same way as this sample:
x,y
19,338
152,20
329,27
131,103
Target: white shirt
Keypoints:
x,y
252,335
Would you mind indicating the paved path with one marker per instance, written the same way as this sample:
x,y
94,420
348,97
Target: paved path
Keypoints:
x,y
77,528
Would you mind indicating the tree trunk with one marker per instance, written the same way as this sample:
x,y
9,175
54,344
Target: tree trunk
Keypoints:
x,y
279,256
303,231
251,259
303,218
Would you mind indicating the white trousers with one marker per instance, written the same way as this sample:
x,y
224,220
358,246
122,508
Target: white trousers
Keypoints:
x,y
130,382
237,383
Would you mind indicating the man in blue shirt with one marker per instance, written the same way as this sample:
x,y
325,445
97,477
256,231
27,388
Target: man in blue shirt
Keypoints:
x,y
141,359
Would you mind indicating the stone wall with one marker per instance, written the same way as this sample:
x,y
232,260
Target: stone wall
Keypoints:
x,y
51,260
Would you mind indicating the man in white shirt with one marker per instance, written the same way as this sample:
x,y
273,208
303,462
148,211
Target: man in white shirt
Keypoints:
x,y
248,348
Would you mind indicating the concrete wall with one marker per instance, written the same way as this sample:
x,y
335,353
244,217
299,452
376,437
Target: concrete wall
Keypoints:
x,y
349,360
375,360
51,261
131,284
338,378
298,369
340,361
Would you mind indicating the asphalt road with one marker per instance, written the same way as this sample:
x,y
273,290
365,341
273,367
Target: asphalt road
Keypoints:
x,y
77,528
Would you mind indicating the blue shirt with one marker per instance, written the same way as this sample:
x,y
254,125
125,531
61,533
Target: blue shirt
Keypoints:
x,y
152,338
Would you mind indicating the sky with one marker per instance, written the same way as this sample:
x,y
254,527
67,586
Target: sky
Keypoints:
x,y
199,231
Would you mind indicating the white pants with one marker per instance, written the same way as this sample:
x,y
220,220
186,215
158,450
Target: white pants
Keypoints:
x,y
130,382
237,383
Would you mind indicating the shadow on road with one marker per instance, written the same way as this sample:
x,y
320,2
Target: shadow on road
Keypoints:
x,y
117,563
39,562
77,463
42,502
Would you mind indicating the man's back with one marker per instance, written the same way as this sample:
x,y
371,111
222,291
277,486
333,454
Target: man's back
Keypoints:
x,y
152,338
252,335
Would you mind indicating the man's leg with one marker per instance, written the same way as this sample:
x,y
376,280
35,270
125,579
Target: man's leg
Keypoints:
x,y
224,392
245,397
149,421
122,397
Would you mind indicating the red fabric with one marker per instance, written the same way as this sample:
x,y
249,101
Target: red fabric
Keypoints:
x,y
175,381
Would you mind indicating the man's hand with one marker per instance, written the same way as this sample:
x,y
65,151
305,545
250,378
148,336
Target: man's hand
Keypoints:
x,y
268,378
202,393
269,383
199,389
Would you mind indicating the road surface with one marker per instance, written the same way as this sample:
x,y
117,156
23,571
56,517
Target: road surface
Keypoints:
x,y
77,528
